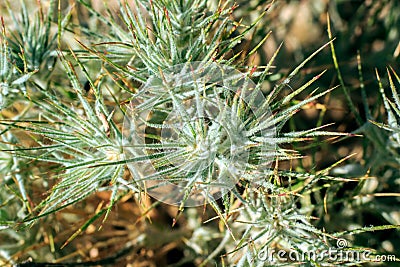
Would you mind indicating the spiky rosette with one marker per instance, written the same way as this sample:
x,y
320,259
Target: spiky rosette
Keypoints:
x,y
199,129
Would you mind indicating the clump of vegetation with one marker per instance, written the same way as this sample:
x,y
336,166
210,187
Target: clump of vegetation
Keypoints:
x,y
251,160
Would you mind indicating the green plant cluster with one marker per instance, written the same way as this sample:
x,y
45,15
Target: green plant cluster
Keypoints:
x,y
68,77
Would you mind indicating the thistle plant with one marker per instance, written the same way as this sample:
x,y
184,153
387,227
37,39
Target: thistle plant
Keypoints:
x,y
175,33
83,141
162,104
276,229
270,224
379,146
12,89
393,115
33,44
12,78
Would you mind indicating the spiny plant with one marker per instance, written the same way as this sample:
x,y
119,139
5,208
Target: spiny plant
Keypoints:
x,y
108,162
274,222
32,43
277,219
159,35
12,89
144,39
102,135
79,142
216,134
393,115
12,78
76,143
379,149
